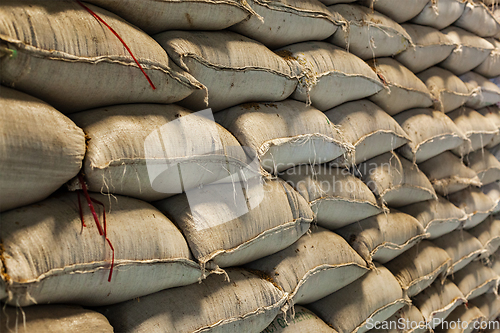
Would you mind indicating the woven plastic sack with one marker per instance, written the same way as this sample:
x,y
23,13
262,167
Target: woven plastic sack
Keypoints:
x,y
475,203
440,14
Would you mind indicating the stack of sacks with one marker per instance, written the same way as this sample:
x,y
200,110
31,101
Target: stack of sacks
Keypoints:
x,y
375,121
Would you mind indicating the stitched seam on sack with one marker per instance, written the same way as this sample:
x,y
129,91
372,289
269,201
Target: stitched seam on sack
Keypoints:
x,y
429,140
401,300
431,275
205,63
364,137
81,269
256,312
281,7
394,246
344,199
266,233
146,64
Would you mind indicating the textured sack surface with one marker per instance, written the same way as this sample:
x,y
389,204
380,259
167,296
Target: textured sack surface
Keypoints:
x,y
483,91
485,165
157,16
383,237
374,297
404,90
245,303
475,279
48,257
431,133
429,47
447,90
492,113
233,224
448,173
418,267
440,14
336,197
475,204
328,68
53,319
369,128
399,11
477,128
93,67
284,134
470,50
438,217
368,34
490,67
488,304
438,301
40,150
466,315
304,321
475,13
493,191
462,248
410,314
488,233
221,61
153,151
281,19
395,180
313,267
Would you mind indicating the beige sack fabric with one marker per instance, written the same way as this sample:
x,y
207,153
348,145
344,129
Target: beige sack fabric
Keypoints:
x,y
313,267
53,319
50,257
448,173
245,303
475,204
368,34
438,301
304,320
279,20
429,47
470,50
440,14
400,11
368,128
490,67
407,319
404,90
336,197
383,237
234,224
475,279
493,191
93,67
492,113
156,16
447,90
327,68
488,304
483,91
474,13
378,292
467,316
438,217
485,165
431,133
418,267
151,151
284,134
395,180
488,233
477,128
462,248
40,150
221,61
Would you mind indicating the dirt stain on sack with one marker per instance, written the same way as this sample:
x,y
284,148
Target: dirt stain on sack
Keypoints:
x,y
190,20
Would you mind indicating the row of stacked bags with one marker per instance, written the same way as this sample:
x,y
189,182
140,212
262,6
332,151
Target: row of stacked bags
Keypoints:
x,y
249,166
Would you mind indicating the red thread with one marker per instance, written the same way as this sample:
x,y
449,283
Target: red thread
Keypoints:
x,y
80,209
121,40
94,214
